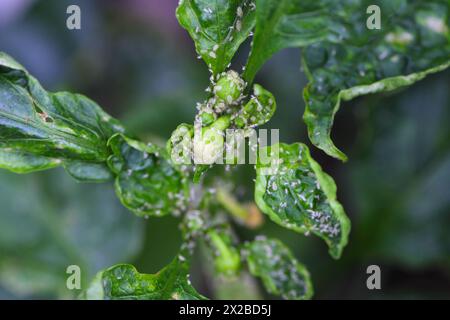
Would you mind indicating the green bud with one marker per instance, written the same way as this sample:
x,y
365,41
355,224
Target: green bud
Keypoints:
x,y
207,118
227,260
240,122
209,142
229,87
179,145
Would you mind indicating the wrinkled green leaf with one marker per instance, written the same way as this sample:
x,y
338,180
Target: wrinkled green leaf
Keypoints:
x,y
41,130
296,194
280,272
217,27
259,110
413,42
123,281
147,182
286,23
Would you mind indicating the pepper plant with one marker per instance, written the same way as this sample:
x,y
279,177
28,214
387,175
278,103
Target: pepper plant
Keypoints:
x,y
342,59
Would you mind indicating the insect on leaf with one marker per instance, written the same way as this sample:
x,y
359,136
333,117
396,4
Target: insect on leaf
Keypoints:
x,y
217,27
296,194
146,180
41,130
281,273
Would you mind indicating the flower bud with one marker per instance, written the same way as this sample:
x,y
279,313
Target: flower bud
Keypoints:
x,y
209,141
227,259
229,87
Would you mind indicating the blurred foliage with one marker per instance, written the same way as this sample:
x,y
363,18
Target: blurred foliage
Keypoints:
x,y
401,177
134,60
48,222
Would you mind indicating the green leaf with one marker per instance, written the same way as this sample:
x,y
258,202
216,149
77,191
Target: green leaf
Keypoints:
x,y
280,272
217,27
124,282
147,182
41,130
259,110
88,172
22,162
285,23
296,194
413,42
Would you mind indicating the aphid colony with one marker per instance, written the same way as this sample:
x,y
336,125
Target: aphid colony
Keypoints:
x,y
287,195
203,143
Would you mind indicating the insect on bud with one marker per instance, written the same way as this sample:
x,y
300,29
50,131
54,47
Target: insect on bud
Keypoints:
x,y
209,141
227,260
207,118
229,87
259,110
179,145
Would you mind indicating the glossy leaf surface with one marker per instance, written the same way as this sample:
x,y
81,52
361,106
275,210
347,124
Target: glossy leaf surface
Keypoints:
x,y
280,272
41,130
295,193
217,27
146,180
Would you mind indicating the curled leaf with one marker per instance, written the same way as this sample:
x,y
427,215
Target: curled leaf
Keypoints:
x,y
146,180
217,27
296,194
414,41
280,272
259,110
40,130
124,282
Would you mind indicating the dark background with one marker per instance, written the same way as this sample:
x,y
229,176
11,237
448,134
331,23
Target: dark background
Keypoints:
x,y
140,66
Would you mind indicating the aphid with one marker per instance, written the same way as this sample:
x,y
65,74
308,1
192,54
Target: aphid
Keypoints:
x,y
239,12
45,117
238,25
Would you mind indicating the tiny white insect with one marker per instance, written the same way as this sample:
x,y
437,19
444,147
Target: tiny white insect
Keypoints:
x,y
238,25
239,12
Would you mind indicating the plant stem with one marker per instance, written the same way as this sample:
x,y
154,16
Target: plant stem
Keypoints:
x,y
249,216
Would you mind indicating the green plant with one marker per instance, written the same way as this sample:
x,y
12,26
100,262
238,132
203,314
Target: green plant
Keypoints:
x,y
342,59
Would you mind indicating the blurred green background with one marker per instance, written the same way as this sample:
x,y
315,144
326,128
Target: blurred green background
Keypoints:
x,y
140,66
